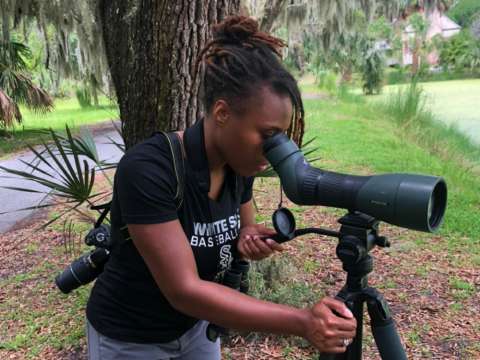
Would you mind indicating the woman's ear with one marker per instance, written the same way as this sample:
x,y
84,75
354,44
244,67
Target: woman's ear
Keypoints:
x,y
221,113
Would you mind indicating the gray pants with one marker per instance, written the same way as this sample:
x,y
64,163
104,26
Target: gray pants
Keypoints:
x,y
193,345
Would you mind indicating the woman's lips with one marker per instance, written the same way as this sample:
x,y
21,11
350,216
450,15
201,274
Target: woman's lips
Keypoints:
x,y
263,167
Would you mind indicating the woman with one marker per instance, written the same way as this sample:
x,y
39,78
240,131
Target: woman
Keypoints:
x,y
147,302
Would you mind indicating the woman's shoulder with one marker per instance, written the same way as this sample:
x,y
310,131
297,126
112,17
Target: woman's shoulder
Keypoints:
x,y
152,147
151,155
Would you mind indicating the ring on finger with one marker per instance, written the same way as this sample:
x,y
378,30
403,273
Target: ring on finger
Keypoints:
x,y
346,342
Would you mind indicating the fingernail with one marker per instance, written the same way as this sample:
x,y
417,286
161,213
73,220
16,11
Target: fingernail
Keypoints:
x,y
348,312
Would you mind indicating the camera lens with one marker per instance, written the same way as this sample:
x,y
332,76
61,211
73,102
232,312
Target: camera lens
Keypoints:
x,y
82,271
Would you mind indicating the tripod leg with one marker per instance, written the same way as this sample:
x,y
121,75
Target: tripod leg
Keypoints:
x,y
354,350
384,330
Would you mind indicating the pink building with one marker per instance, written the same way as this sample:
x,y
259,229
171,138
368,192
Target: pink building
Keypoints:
x,y
438,24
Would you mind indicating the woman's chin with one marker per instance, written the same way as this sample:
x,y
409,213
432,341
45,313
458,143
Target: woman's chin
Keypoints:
x,y
247,172
258,170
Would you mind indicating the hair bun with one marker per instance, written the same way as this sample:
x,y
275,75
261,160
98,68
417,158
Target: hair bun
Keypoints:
x,y
235,29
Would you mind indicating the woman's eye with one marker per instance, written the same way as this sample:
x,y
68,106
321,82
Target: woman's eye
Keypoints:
x,y
268,134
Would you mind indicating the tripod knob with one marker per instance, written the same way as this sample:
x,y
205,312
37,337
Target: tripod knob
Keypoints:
x,y
349,251
382,241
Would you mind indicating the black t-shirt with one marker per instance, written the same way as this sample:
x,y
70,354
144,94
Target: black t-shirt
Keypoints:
x,y
126,303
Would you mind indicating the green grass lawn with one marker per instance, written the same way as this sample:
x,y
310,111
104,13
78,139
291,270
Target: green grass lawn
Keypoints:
x,y
357,139
455,102
66,112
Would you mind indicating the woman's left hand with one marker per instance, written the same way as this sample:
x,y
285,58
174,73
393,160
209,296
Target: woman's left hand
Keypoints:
x,y
254,242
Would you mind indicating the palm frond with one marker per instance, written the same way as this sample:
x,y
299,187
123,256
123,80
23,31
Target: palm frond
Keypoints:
x,y
83,145
9,111
68,176
15,81
22,90
119,145
14,55
35,207
55,218
307,150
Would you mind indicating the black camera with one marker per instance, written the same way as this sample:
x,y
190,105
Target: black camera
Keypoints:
x,y
235,277
88,266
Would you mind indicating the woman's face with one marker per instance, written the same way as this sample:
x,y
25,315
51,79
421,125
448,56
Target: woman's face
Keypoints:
x,y
240,137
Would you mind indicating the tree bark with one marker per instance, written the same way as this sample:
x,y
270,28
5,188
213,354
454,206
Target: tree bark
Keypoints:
x,y
271,11
5,22
416,57
151,47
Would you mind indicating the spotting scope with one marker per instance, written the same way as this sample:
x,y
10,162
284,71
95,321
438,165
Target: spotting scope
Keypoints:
x,y
412,201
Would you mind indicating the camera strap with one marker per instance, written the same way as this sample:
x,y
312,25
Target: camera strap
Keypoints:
x,y
106,208
178,161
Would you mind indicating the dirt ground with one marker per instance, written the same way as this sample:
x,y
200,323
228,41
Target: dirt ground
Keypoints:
x,y
431,288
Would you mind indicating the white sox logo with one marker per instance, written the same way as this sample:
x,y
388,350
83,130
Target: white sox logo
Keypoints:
x,y
225,256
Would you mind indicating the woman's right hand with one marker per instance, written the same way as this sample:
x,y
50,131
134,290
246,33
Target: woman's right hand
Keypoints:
x,y
326,330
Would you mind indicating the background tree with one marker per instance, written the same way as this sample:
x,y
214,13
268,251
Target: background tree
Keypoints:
x,y
151,48
16,85
155,75
271,11
464,12
418,40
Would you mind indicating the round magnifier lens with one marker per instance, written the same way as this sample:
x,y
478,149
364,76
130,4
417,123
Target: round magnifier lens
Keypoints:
x,y
431,205
284,222
437,205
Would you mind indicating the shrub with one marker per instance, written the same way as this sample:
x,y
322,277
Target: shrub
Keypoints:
x,y
460,51
273,279
406,104
84,97
326,80
464,11
372,71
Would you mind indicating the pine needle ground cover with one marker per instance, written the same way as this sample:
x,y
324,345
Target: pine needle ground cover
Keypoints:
x,y
431,281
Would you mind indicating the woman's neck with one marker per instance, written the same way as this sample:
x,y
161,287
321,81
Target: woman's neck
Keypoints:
x,y
216,162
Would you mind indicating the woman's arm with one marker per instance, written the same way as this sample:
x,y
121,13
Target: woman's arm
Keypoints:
x,y
170,259
247,214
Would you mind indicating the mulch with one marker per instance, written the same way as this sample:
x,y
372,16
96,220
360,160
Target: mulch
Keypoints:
x,y
434,319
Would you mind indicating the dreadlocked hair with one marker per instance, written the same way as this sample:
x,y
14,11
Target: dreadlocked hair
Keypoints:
x,y
239,60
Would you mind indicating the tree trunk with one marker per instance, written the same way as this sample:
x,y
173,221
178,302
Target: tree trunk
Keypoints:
x,y
5,22
415,58
151,47
93,87
271,11
346,74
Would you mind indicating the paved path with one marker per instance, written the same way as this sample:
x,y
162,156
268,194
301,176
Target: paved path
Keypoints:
x,y
11,200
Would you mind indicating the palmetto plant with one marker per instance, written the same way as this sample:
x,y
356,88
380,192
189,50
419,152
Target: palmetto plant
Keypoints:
x,y
16,87
66,169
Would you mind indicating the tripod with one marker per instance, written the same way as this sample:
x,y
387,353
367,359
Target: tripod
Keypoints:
x,y
358,235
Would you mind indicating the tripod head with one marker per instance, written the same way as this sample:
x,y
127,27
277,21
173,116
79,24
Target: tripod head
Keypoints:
x,y
358,234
